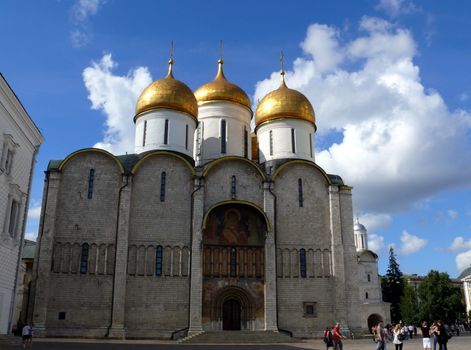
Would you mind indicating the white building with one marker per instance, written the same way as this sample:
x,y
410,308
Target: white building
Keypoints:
x,y
465,277
19,143
373,308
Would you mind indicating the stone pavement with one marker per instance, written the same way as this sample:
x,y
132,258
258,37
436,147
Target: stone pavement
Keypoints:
x,y
456,343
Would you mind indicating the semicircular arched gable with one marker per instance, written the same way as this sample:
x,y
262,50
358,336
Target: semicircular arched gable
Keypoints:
x,y
75,155
290,164
152,155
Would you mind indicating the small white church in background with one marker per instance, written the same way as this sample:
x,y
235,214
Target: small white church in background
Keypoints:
x,y
373,308
208,226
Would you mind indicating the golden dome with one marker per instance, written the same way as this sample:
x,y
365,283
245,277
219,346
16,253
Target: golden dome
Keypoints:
x,y
284,103
167,93
221,89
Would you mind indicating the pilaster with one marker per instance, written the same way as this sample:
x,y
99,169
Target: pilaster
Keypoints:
x,y
338,264
117,329
196,278
42,264
270,261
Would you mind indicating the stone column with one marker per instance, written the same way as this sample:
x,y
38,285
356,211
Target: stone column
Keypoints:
x,y
338,265
196,278
270,261
120,268
42,261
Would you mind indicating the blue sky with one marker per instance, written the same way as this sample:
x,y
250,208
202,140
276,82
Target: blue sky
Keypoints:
x,y
389,81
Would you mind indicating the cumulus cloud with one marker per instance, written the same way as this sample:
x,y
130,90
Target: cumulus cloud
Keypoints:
x,y
116,97
411,243
459,243
82,10
399,139
34,212
375,242
463,260
374,222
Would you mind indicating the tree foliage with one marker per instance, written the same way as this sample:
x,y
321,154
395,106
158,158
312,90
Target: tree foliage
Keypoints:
x,y
410,306
392,285
439,299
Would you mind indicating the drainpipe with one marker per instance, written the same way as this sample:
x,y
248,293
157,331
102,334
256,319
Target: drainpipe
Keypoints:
x,y
20,250
115,254
276,250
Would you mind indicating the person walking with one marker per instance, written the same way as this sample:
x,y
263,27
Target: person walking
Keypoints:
x,y
426,336
337,337
328,339
27,335
380,336
398,337
442,336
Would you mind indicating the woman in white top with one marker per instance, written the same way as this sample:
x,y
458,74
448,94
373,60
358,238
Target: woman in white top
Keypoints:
x,y
398,337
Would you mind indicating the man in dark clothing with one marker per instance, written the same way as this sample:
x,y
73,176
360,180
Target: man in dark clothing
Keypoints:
x,y
442,336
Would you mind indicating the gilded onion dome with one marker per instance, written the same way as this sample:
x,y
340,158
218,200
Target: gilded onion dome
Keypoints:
x,y
220,89
167,93
284,103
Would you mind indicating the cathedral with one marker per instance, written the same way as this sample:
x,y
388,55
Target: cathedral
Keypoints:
x,y
207,226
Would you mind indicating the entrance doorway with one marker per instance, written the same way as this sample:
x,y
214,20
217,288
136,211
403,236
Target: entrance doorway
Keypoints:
x,y
231,311
373,320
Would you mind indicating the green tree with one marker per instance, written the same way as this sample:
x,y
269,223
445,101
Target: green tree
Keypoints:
x,y
439,299
392,285
410,306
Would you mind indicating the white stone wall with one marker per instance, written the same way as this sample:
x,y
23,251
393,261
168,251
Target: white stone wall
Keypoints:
x,y
282,147
153,122
208,136
20,136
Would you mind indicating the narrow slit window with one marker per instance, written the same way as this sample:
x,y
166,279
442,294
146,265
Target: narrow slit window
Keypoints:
x,y
144,134
163,178
223,136
233,186
246,143
300,193
369,278
302,262
91,179
293,142
233,262
158,261
366,295
271,142
186,136
84,259
166,132
12,226
310,144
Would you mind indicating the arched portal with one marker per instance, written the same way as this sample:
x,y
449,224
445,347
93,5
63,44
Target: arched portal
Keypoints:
x,y
373,320
234,267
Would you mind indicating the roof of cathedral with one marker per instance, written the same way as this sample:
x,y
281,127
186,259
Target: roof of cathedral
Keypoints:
x,y
167,93
284,103
220,89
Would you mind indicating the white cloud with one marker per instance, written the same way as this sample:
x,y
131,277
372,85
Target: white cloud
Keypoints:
x,y
34,212
375,242
116,97
395,8
410,243
82,10
459,243
32,236
463,260
374,222
453,214
395,130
